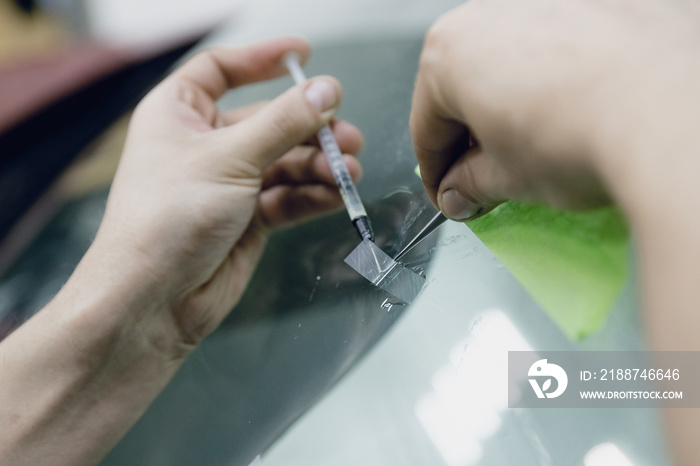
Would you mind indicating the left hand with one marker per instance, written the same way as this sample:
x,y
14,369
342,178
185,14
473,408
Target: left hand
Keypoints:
x,y
198,190
186,222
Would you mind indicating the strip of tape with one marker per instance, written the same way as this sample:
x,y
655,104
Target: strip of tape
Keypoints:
x,y
385,273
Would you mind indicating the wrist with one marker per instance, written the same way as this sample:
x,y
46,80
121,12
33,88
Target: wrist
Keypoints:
x,y
88,365
119,309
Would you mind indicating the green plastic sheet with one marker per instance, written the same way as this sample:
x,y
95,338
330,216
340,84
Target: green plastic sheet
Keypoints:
x,y
573,263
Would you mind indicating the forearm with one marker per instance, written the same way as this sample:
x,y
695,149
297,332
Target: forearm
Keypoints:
x,y
662,202
669,251
83,370
659,193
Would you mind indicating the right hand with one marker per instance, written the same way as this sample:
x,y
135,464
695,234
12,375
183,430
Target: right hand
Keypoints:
x,y
557,96
572,103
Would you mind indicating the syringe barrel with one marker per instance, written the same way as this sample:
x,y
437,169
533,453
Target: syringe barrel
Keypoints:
x,y
351,197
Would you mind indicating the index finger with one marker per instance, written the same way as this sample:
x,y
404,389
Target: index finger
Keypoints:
x,y
437,136
215,71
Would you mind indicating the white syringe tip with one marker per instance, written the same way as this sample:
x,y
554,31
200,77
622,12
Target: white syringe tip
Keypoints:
x,y
291,59
292,56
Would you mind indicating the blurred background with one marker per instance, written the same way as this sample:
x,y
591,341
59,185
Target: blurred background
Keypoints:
x,y
70,71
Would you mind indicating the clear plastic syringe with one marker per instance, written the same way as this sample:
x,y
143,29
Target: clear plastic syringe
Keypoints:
x,y
347,188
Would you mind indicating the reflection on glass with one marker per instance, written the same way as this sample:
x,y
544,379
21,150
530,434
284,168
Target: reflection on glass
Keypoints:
x,y
470,392
606,454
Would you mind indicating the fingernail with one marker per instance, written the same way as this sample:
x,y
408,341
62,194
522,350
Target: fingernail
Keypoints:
x,y
456,206
322,95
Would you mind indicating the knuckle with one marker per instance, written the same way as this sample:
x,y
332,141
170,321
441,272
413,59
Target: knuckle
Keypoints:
x,y
434,36
444,30
203,59
436,49
206,57
433,46
452,31
206,62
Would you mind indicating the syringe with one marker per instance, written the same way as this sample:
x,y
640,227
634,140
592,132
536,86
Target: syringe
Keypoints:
x,y
351,198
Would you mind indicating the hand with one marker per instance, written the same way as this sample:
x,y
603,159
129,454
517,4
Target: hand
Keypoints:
x,y
197,190
186,222
568,103
572,103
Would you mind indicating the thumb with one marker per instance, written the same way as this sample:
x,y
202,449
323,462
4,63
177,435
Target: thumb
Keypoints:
x,y
471,187
290,119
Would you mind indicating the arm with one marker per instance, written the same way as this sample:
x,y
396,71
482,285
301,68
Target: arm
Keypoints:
x,y
186,222
577,104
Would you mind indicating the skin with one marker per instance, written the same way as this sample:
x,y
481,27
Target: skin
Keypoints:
x,y
190,210
576,104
